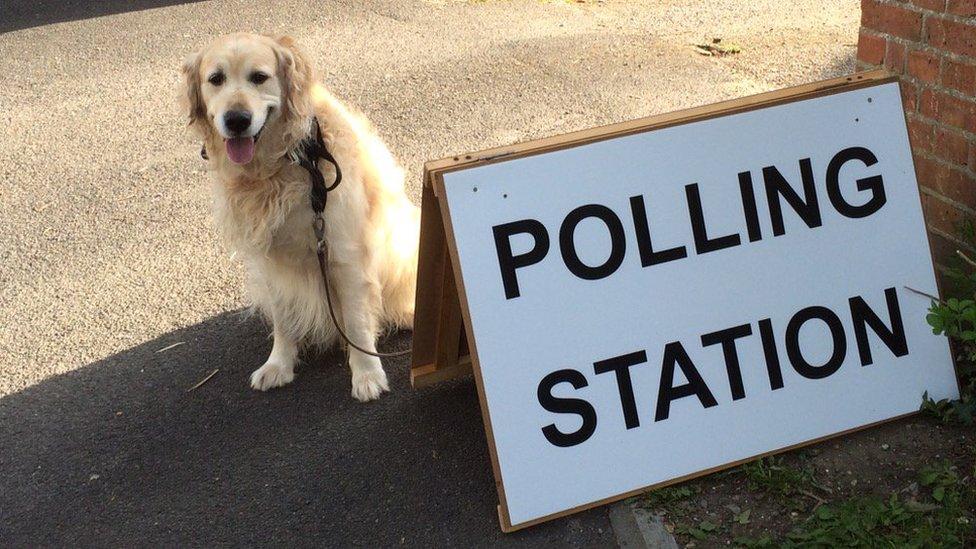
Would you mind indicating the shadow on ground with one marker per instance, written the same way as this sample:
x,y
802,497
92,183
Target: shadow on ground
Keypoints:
x,y
22,14
119,453
842,65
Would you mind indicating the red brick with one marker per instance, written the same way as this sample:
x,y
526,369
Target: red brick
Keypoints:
x,y
870,48
920,134
949,110
927,171
942,250
951,147
909,96
891,19
895,57
954,36
941,215
924,65
952,183
965,8
959,186
959,76
933,5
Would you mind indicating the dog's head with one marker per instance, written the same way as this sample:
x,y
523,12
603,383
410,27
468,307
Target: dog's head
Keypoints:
x,y
242,87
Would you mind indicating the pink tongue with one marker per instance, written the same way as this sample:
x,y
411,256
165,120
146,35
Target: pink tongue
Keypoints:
x,y
240,149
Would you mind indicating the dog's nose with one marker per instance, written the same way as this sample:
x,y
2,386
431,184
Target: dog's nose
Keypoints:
x,y
237,121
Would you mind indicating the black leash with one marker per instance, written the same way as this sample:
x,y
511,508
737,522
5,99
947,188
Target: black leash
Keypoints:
x,y
311,151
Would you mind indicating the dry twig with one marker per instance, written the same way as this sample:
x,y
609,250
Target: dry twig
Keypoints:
x,y
919,292
204,380
168,347
966,258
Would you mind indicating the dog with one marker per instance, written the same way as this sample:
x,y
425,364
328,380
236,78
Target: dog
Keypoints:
x,y
253,100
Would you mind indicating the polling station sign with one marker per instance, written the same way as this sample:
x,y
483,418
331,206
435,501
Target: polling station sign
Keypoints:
x,y
649,306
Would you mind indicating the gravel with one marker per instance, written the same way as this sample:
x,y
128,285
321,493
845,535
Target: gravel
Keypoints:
x,y
104,208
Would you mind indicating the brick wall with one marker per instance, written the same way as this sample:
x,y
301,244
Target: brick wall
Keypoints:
x,y
931,44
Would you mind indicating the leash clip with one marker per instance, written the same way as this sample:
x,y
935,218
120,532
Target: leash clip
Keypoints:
x,y
318,225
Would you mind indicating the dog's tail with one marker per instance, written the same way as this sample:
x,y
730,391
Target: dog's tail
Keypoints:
x,y
400,276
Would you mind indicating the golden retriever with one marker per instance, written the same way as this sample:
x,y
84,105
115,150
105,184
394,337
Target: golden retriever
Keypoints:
x,y
252,99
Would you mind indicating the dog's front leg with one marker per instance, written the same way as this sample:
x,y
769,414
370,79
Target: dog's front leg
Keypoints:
x,y
279,369
361,325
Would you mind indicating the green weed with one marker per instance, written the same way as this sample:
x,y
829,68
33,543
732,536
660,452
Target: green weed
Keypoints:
x,y
943,518
772,474
956,318
664,496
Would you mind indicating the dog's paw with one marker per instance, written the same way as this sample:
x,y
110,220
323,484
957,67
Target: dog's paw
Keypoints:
x,y
271,375
369,384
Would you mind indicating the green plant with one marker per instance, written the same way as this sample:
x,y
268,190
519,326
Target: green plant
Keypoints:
x,y
945,521
666,495
942,519
956,318
943,480
754,543
772,474
704,530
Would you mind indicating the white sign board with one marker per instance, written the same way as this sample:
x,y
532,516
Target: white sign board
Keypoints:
x,y
652,306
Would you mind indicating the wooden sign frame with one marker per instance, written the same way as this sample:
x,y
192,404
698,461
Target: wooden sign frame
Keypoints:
x,y
444,346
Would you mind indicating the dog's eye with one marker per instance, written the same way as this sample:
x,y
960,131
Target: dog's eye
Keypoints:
x,y
216,78
258,78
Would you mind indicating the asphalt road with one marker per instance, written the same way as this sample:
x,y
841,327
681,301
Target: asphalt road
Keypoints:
x,y
119,454
107,256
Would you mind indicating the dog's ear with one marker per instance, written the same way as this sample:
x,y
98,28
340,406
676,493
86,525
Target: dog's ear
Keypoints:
x,y
296,78
191,100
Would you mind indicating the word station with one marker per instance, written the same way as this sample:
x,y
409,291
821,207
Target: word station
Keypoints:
x,y
674,356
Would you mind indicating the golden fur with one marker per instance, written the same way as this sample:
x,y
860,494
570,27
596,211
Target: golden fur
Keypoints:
x,y
262,206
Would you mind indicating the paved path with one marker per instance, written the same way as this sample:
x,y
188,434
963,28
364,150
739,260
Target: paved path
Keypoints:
x,y
108,256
